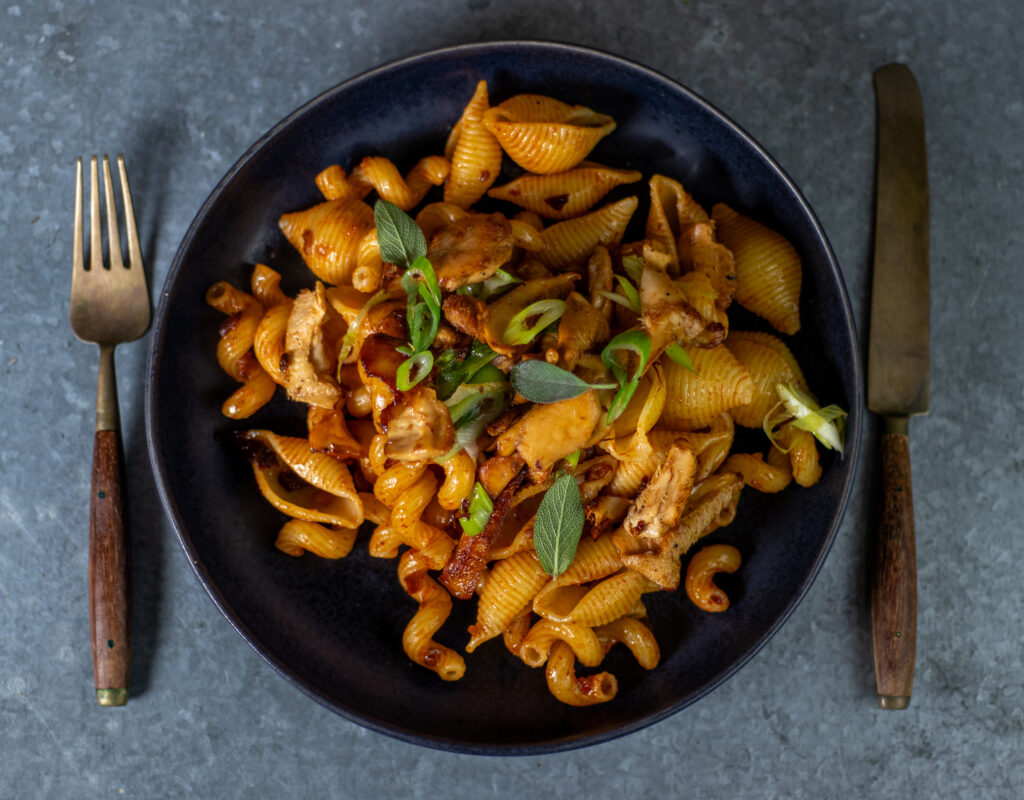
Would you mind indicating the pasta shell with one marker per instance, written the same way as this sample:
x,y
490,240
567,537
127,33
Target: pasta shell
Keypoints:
x,y
375,173
474,152
235,350
544,135
719,383
611,598
769,362
328,236
571,242
537,644
327,493
269,342
299,536
768,269
435,607
509,589
563,195
635,635
266,286
758,474
585,690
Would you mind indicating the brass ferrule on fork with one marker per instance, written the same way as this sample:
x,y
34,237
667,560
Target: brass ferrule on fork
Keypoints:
x,y
108,417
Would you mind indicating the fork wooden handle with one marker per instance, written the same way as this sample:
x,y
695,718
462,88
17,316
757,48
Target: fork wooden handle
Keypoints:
x,y
894,586
109,572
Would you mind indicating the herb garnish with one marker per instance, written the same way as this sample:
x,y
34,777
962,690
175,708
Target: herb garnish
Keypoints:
x,y
400,239
403,244
558,525
541,382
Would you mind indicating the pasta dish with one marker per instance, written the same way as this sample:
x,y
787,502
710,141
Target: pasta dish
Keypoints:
x,y
526,408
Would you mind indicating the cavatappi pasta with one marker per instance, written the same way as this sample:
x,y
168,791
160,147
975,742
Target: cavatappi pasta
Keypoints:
x,y
450,468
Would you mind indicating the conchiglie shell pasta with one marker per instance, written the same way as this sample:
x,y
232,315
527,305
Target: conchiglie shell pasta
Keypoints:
x,y
768,270
508,591
329,236
544,135
564,195
474,153
307,502
769,362
696,398
572,241
611,598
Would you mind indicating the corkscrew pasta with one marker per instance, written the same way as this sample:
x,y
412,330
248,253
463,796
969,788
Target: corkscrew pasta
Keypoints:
x,y
419,431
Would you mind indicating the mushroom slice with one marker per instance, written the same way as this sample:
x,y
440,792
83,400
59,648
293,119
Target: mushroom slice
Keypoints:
x,y
659,507
712,503
547,433
580,328
310,344
418,427
667,315
501,312
470,250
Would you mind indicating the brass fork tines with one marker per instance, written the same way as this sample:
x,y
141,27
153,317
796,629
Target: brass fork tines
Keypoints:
x,y
109,305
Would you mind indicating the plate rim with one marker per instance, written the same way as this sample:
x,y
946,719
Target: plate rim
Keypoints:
x,y
439,741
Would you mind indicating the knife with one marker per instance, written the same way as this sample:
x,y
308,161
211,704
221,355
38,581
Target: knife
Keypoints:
x,y
898,369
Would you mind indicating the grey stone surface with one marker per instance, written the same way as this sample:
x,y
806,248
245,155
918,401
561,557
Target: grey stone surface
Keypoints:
x,y
183,88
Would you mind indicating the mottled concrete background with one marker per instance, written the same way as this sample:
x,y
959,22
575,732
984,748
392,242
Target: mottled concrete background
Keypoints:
x,y
183,88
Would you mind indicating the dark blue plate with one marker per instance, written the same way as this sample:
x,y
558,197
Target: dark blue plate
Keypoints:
x,y
334,628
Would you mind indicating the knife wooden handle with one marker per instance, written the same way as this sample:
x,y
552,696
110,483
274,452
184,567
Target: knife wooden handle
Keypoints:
x,y
109,572
894,584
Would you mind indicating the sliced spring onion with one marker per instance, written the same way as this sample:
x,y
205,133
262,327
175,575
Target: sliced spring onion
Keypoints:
x,y
472,419
825,423
633,341
413,370
480,508
634,266
680,356
629,297
543,312
423,304
488,373
349,340
421,269
454,373
467,399
573,459
630,292
491,287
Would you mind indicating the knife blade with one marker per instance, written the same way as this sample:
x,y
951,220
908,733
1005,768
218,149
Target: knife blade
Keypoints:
x,y
898,369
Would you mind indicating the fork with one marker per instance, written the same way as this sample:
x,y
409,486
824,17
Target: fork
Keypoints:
x,y
109,305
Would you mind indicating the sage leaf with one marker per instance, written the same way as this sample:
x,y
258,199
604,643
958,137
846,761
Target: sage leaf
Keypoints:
x,y
558,525
400,238
541,382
